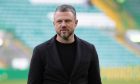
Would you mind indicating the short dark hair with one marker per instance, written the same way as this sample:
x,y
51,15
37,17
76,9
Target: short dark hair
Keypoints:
x,y
66,8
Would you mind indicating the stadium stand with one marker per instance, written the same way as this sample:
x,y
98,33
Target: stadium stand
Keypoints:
x,y
30,25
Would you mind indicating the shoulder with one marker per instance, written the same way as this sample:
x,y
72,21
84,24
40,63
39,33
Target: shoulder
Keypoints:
x,y
90,48
43,46
85,43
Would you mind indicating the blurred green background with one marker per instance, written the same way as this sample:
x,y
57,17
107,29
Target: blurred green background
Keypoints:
x,y
111,25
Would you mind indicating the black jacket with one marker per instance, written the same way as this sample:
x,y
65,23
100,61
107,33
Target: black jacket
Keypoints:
x,y
46,67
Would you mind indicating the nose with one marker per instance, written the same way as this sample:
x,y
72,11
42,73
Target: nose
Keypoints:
x,y
63,24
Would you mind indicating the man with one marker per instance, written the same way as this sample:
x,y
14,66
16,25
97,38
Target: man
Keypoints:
x,y
65,58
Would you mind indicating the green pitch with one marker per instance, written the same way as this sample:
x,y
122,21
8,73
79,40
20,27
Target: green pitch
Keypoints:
x,y
103,82
13,82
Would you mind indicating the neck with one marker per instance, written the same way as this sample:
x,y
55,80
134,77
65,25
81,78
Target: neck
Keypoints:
x,y
69,40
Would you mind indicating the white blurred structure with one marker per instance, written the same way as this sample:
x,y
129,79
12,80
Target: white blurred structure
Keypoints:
x,y
133,35
1,41
1,38
58,1
20,63
133,38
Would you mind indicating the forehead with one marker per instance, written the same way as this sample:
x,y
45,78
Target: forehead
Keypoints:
x,y
63,14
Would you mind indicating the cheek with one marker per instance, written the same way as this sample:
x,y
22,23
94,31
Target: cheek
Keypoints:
x,y
74,26
57,26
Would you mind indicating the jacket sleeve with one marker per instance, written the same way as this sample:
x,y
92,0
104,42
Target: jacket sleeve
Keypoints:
x,y
35,75
94,70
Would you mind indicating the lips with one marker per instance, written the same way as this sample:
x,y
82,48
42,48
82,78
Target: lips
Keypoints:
x,y
64,30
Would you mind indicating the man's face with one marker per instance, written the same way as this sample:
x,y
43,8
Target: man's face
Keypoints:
x,y
64,23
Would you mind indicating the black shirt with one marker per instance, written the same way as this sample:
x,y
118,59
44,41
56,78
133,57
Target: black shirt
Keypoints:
x,y
67,53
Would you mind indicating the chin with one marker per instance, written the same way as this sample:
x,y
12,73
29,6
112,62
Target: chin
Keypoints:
x,y
65,37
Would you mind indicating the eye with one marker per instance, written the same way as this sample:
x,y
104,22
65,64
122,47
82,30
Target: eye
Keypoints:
x,y
67,21
59,21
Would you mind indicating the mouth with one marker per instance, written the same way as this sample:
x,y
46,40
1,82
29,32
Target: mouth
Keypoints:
x,y
64,30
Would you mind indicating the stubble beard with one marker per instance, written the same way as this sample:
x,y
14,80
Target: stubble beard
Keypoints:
x,y
65,35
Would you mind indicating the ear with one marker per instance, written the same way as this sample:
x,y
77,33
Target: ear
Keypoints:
x,y
76,22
